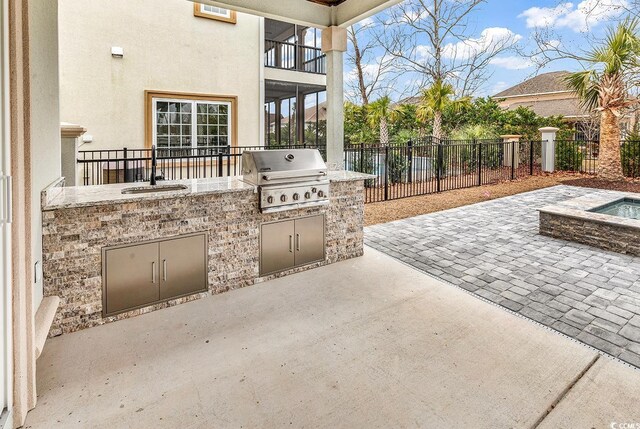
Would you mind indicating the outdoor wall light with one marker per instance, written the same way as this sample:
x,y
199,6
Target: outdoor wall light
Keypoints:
x,y
117,52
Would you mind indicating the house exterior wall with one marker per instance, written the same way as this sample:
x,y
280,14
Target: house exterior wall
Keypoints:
x,y
166,48
45,120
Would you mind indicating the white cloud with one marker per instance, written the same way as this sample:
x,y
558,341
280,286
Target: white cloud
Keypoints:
x,y
498,87
489,39
512,62
423,51
366,22
578,17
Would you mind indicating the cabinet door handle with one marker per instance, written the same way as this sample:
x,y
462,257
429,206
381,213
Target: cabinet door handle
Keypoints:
x,y
290,243
164,270
298,242
153,272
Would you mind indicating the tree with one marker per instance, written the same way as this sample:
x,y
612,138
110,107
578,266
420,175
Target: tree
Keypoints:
x,y
436,99
378,114
434,41
370,71
605,88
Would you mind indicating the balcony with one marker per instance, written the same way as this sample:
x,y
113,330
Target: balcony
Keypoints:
x,y
292,56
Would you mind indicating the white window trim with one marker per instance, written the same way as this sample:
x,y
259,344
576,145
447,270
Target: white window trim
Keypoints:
x,y
208,12
194,118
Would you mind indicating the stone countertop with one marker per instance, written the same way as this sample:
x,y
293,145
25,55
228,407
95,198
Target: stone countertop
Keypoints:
x,y
86,196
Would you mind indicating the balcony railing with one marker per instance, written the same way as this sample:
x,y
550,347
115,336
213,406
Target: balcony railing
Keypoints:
x,y
291,56
100,167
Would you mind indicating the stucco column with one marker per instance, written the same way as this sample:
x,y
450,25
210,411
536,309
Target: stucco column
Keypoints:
x,y
70,135
334,45
508,156
549,148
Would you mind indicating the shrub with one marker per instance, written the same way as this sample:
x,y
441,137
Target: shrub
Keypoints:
x,y
569,155
362,161
630,155
397,165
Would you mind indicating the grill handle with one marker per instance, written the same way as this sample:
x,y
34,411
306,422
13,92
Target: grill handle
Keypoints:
x,y
293,174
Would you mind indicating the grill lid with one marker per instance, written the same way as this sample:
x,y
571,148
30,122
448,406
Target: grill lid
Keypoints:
x,y
279,166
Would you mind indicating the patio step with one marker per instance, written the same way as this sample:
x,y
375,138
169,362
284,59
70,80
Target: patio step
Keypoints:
x,y
44,318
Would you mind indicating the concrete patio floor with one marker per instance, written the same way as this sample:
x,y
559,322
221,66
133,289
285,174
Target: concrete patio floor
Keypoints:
x,y
368,342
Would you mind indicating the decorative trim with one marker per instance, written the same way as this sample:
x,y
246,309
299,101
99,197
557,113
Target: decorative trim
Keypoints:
x,y
197,11
148,110
71,130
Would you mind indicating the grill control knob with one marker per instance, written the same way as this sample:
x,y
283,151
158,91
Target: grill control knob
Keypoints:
x,y
283,198
314,190
296,196
307,195
321,194
270,200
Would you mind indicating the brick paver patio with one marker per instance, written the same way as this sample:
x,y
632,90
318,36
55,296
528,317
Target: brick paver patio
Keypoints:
x,y
493,250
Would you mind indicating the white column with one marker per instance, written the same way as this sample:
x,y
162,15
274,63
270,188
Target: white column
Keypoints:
x,y
515,139
70,135
549,148
334,45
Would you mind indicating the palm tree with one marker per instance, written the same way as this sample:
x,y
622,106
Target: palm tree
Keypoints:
x,y
434,100
378,114
605,88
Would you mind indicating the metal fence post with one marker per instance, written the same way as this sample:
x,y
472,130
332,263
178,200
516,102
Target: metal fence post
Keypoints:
x,y
479,164
220,169
386,173
410,161
126,166
362,157
439,158
531,158
513,160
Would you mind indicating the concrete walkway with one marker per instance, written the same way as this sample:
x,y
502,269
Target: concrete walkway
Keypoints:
x,y
365,343
493,250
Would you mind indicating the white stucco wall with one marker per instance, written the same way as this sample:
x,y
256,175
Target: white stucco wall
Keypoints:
x,y
45,116
166,48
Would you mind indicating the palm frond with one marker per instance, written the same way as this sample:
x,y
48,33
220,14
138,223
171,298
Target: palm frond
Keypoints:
x,y
586,86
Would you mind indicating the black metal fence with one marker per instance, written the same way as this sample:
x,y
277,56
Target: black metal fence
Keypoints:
x,y
426,166
417,167
577,155
292,56
630,156
583,155
98,167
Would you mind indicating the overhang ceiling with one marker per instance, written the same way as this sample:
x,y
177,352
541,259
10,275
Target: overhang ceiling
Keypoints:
x,y
328,2
312,13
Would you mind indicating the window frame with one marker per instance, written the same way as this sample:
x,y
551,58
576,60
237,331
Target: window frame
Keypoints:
x,y
201,13
150,117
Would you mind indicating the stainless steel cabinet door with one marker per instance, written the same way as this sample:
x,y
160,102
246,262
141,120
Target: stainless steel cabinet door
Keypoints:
x,y
183,266
131,277
309,240
276,247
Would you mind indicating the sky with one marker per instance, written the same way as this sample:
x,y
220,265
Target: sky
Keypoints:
x,y
519,19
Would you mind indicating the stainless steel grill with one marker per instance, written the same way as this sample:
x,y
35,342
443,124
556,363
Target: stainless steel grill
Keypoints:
x,y
287,178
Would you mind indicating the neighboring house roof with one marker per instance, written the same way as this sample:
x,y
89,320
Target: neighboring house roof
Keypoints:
x,y
409,100
567,107
541,84
310,113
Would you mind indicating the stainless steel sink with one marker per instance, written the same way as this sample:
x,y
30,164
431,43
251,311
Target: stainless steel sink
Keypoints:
x,y
153,189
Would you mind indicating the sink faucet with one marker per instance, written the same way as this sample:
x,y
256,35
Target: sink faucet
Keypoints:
x,y
154,162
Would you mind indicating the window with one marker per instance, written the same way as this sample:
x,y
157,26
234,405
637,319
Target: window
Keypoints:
x,y
187,121
214,12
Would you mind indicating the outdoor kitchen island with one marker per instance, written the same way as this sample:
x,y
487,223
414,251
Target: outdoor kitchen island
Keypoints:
x,y
221,216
